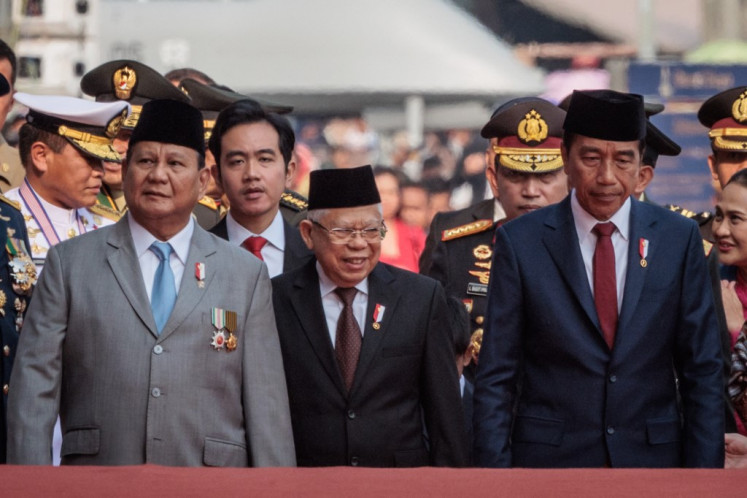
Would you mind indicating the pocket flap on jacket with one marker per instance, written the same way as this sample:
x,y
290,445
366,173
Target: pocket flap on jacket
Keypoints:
x,y
83,441
218,453
663,431
538,430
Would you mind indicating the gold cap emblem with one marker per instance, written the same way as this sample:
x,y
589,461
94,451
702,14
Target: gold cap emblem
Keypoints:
x,y
112,128
532,128
739,108
124,81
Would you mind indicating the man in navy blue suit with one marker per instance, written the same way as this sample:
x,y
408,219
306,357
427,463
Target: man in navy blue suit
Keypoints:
x,y
602,347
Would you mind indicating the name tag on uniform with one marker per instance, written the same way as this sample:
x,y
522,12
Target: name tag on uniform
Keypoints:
x,y
477,289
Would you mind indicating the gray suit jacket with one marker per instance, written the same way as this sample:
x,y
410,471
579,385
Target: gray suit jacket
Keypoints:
x,y
125,395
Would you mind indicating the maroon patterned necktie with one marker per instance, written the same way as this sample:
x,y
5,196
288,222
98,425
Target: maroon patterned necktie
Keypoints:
x,y
254,245
605,281
348,337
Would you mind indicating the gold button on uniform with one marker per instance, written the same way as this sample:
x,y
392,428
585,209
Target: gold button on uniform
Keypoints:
x,y
6,350
479,320
5,389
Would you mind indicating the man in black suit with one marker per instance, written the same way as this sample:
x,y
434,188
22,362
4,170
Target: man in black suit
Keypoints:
x,y
253,151
367,348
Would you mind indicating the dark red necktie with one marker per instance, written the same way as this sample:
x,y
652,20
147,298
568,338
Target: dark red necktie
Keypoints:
x,y
605,281
254,245
348,337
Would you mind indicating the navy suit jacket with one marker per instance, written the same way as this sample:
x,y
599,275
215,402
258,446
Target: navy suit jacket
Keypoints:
x,y
549,391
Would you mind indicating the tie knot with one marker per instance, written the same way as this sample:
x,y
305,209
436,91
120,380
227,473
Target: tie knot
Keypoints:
x,y
347,294
604,229
161,249
254,243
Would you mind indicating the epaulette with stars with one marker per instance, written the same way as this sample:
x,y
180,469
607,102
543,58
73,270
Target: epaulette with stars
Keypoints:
x,y
15,204
464,230
700,219
293,200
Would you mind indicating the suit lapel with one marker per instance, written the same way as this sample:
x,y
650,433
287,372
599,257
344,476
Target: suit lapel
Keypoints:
x,y
380,291
295,249
126,268
307,303
641,227
190,293
561,241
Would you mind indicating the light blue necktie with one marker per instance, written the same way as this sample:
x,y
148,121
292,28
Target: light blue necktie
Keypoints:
x,y
163,295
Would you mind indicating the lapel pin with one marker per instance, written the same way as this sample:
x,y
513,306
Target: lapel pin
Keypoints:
x,y
378,316
200,274
643,251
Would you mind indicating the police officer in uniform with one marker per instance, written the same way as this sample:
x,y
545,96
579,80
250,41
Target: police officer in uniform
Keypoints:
x,y
135,83
210,100
17,279
527,174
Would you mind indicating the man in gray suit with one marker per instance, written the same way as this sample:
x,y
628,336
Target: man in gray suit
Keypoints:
x,y
141,372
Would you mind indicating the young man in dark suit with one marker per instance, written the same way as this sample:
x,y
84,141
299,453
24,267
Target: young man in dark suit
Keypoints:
x,y
367,348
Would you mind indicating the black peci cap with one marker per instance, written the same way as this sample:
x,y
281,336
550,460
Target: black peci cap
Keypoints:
x,y
171,122
606,115
341,188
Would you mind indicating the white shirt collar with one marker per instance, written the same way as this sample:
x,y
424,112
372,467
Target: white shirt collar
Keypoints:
x,y
143,239
57,214
585,222
275,233
326,285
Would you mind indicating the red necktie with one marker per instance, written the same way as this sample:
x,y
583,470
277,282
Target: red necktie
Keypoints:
x,y
348,337
605,281
254,245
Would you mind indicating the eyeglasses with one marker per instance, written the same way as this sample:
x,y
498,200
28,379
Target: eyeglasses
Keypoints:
x,y
345,235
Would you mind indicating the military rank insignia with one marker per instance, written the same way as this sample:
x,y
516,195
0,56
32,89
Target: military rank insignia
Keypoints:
x,y
225,323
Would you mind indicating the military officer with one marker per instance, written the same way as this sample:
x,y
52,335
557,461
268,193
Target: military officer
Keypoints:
x,y
17,279
62,145
135,83
11,170
526,174
210,100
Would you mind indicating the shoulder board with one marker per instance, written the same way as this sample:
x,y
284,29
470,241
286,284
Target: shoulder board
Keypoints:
x,y
15,204
106,212
464,230
208,202
293,200
680,210
707,247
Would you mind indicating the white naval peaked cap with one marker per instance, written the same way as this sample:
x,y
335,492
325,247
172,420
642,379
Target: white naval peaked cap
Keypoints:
x,y
86,112
87,125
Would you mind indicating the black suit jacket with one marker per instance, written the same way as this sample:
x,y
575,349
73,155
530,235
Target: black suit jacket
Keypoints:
x,y
295,254
406,375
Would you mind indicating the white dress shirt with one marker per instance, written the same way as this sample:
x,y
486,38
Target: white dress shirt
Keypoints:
x,y
498,212
588,241
333,305
148,259
273,251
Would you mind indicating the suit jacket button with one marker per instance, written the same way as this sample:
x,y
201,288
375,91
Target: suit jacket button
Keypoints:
x,y
158,349
610,430
351,414
155,392
6,351
613,378
479,320
6,389
354,461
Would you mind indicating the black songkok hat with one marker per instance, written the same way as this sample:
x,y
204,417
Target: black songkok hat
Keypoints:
x,y
4,86
606,115
171,122
342,188
658,144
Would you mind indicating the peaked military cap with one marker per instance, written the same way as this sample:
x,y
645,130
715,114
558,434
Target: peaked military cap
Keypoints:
x,y
88,126
726,115
529,131
606,115
658,144
4,86
131,81
211,99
